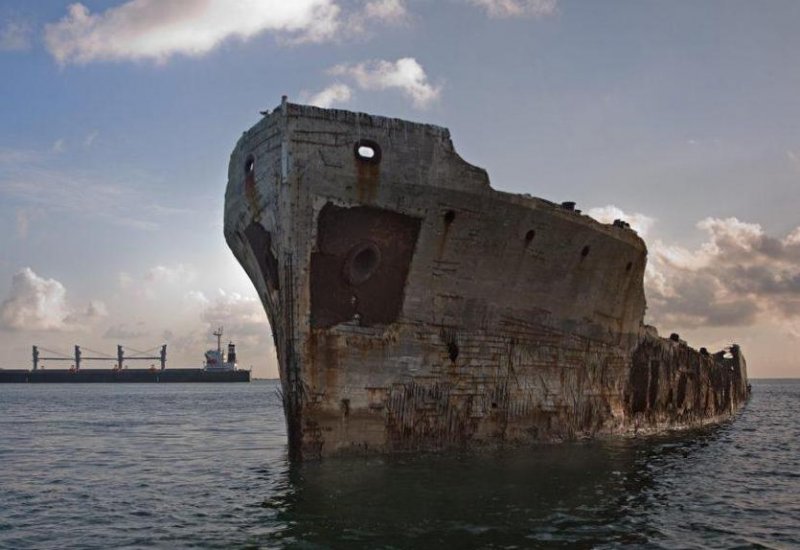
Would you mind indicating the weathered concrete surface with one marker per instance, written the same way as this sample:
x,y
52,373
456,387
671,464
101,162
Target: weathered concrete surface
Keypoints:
x,y
414,307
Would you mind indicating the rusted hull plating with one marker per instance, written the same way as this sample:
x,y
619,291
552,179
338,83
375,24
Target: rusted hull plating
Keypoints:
x,y
413,307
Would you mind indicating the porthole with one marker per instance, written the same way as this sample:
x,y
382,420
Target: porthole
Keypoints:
x,y
585,251
629,266
530,235
249,165
449,217
452,351
367,151
361,263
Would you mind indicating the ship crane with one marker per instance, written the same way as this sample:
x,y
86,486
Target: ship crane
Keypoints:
x,y
121,358
218,334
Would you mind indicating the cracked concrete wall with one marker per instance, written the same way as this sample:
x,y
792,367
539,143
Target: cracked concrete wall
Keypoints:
x,y
482,317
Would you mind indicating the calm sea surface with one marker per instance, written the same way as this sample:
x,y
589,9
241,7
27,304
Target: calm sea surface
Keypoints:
x,y
204,466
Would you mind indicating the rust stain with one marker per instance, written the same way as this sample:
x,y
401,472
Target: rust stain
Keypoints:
x,y
252,195
368,178
323,355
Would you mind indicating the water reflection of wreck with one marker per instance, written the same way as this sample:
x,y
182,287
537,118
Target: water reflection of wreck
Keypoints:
x,y
414,307
576,495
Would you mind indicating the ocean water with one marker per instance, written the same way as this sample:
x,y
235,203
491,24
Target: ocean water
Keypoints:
x,y
204,466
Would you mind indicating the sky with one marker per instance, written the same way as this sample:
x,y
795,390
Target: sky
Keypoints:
x,y
117,119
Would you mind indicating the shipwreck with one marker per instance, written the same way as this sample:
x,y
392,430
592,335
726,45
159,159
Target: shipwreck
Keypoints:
x,y
413,307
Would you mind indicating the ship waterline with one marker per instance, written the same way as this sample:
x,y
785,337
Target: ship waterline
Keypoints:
x,y
414,307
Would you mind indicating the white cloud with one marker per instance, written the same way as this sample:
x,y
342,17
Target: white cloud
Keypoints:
x,y
36,303
95,311
737,277
405,74
198,297
125,331
170,274
333,94
157,30
242,316
391,11
740,274
15,36
517,8
159,281
387,12
58,146
244,322
607,214
793,238
125,280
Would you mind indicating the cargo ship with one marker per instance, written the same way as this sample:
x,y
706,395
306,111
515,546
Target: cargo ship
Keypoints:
x,y
416,308
218,367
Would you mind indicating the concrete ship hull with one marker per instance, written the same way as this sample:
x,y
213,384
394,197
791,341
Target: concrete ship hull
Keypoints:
x,y
64,376
413,307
